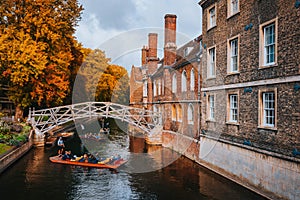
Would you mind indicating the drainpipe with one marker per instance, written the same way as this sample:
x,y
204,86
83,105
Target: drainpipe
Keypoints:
x,y
199,95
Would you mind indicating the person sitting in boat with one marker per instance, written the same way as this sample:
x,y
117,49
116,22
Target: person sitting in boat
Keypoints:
x,y
92,159
84,158
61,152
68,156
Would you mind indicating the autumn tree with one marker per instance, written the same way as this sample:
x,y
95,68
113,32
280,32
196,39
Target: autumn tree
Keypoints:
x,y
92,68
36,43
102,81
114,85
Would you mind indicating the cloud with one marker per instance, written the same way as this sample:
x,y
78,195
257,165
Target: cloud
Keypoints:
x,y
104,21
116,14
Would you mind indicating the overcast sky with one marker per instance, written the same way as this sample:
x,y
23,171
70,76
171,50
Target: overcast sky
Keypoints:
x,y
121,27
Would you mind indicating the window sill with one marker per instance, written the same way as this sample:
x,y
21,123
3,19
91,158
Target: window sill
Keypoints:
x,y
232,123
210,28
211,78
268,66
267,128
233,73
232,15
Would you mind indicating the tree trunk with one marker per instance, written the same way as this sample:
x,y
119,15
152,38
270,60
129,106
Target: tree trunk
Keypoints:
x,y
19,113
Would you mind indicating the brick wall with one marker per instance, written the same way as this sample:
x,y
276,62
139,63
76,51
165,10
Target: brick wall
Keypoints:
x,y
286,137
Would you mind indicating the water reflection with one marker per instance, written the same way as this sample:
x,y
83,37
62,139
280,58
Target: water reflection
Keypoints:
x,y
35,177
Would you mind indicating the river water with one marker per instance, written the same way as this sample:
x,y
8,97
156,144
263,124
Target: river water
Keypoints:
x,y
34,177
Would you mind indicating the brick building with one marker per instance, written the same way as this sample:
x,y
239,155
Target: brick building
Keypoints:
x,y
170,85
251,73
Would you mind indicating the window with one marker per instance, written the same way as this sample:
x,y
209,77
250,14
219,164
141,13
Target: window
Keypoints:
x,y
211,108
233,7
233,108
163,87
269,33
159,87
212,17
174,83
268,43
174,116
211,63
145,89
192,80
268,107
190,114
179,113
201,47
233,55
183,82
154,88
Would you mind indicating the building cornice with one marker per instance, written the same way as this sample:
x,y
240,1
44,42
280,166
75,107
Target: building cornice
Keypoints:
x,y
280,80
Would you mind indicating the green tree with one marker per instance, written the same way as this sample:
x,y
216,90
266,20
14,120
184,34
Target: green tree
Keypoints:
x,y
36,43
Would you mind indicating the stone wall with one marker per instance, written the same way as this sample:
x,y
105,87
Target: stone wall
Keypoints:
x,y
271,175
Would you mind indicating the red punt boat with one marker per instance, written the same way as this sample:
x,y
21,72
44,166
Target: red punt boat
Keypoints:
x,y
110,165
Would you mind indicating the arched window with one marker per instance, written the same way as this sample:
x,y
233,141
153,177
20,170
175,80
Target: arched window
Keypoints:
x,y
145,89
174,83
174,115
154,88
183,82
179,113
159,87
190,114
192,81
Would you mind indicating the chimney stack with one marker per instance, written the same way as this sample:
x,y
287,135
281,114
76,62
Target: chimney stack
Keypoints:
x,y
152,53
170,39
144,55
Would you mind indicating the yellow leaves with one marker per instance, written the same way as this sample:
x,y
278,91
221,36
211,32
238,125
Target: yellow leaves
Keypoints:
x,y
35,48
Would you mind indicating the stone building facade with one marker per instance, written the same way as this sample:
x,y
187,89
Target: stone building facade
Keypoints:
x,y
251,73
170,85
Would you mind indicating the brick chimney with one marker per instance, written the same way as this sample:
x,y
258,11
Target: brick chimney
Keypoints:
x,y
144,55
152,53
170,39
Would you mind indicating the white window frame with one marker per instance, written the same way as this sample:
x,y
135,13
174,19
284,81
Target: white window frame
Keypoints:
x,y
145,89
159,87
211,62
192,80
233,7
266,45
154,88
190,114
184,81
233,104
212,17
233,54
174,83
267,108
211,107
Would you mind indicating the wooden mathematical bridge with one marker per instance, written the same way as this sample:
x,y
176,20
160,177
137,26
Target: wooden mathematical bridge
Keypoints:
x,y
46,119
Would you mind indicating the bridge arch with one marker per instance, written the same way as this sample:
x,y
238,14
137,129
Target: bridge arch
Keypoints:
x,y
46,119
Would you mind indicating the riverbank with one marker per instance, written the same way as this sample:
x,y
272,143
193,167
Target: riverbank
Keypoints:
x,y
272,176
15,153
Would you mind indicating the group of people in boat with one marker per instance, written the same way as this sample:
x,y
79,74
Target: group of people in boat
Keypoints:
x,y
87,157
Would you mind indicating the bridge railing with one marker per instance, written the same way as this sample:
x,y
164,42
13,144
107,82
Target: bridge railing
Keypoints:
x,y
46,119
